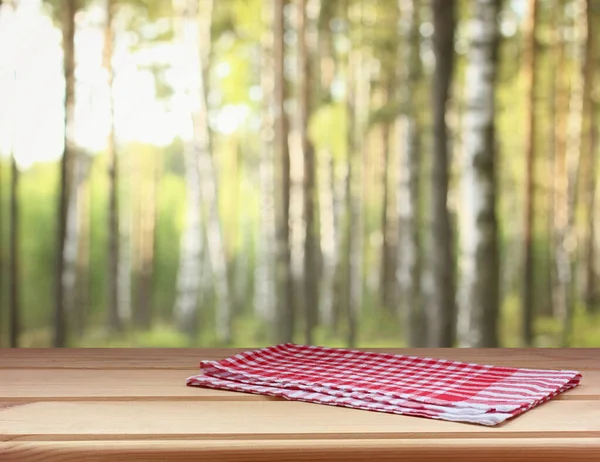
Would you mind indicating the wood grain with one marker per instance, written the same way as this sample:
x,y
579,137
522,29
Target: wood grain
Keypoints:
x,y
75,385
112,405
68,421
442,450
78,385
155,358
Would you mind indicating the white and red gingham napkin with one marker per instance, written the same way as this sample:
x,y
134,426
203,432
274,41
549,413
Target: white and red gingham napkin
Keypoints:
x,y
397,384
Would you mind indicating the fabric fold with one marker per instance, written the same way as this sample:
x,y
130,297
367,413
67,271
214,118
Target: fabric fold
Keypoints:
x,y
392,383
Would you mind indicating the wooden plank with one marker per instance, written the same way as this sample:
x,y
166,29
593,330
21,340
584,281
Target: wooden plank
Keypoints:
x,y
156,358
79,384
27,385
441,450
173,420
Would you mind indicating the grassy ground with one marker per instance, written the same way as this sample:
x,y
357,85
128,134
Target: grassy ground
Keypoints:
x,y
380,331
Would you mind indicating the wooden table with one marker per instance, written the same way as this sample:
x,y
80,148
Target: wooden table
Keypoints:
x,y
109,404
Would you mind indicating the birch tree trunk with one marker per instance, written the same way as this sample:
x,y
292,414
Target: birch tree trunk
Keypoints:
x,y
75,280
297,228
311,273
550,308
326,60
68,11
353,276
215,240
147,204
83,251
191,250
527,307
208,181
573,156
408,203
125,237
479,262
389,244
340,199
285,291
328,184
357,107
72,237
592,292
329,235
192,239
115,324
14,263
265,293
590,168
439,281
560,215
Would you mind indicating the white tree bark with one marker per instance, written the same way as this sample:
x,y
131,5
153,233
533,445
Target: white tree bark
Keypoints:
x,y
72,236
68,34
196,24
286,303
353,274
359,78
82,286
265,295
479,289
209,184
562,271
569,233
191,248
297,231
192,239
75,239
408,203
115,268
216,247
329,234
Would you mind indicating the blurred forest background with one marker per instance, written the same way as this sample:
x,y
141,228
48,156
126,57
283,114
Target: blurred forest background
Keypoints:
x,y
338,172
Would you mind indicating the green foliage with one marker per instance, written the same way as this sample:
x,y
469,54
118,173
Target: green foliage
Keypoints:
x,y
328,129
223,20
54,9
385,114
382,34
161,336
236,65
38,213
163,91
248,20
171,206
149,10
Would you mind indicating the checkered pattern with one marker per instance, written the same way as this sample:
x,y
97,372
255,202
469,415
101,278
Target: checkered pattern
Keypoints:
x,y
397,384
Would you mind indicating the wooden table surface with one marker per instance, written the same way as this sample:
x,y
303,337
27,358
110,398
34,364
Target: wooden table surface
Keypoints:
x,y
132,404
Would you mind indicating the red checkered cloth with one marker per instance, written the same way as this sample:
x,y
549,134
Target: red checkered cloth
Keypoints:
x,y
397,384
